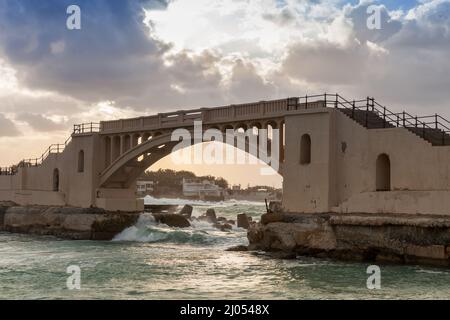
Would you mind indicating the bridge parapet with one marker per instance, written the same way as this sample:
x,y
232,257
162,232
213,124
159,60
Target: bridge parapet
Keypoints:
x,y
231,113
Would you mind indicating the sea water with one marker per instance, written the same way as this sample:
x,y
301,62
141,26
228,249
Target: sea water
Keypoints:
x,y
151,261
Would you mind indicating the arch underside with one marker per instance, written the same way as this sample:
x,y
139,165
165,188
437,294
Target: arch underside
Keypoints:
x,y
125,170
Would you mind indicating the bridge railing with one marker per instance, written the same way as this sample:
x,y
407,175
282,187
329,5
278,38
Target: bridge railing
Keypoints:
x,y
34,162
238,112
424,126
89,127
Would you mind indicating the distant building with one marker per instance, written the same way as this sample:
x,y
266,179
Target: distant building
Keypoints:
x,y
144,187
202,189
236,187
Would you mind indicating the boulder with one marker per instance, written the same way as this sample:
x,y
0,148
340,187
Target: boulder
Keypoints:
x,y
271,218
172,220
223,226
238,248
211,215
275,206
186,211
242,221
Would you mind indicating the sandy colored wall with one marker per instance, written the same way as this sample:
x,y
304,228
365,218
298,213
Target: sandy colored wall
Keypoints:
x,y
306,186
342,173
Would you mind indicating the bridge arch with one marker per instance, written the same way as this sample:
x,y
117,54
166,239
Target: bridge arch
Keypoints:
x,y
125,169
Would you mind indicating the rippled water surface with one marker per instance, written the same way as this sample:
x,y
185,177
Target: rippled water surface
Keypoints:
x,y
150,261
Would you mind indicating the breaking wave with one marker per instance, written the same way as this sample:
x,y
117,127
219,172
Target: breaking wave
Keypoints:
x,y
148,230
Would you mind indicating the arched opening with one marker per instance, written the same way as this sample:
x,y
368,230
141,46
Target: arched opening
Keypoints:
x,y
383,175
81,161
305,149
56,180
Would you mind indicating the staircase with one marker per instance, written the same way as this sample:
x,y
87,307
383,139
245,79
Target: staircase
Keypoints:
x,y
371,115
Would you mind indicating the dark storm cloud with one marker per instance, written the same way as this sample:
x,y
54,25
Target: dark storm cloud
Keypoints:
x,y
111,56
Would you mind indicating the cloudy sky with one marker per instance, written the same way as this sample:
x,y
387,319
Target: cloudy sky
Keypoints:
x,y
135,58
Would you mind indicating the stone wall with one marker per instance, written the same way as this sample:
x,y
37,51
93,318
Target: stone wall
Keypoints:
x,y
65,222
379,238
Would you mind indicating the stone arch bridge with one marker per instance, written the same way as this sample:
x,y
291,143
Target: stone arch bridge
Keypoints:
x,y
99,164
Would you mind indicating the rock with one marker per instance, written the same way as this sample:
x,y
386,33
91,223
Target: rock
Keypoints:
x,y
275,206
186,211
223,227
237,248
271,217
222,219
172,220
242,221
285,255
211,215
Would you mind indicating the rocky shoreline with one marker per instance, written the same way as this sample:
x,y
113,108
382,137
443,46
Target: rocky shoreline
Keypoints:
x,y
97,224
404,239
64,222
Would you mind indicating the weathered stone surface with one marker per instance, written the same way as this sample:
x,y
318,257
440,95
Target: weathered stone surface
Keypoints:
x,y
242,221
186,211
271,217
378,238
70,223
238,248
172,220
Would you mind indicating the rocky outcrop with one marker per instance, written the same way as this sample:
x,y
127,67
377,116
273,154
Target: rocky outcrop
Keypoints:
x,y
223,226
211,216
172,220
65,222
400,239
243,221
186,211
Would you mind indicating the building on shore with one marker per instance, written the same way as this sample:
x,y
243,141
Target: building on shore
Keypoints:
x,y
202,189
144,187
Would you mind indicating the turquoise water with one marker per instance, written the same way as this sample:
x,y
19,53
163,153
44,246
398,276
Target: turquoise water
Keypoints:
x,y
150,261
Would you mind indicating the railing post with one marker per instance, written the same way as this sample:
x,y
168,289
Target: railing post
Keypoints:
x,y
367,113
306,102
404,124
384,117
336,102
353,109
325,95
416,121
436,120
423,130
91,127
373,104
398,121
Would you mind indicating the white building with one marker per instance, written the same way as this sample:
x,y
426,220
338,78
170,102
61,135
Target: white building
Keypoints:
x,y
144,187
202,189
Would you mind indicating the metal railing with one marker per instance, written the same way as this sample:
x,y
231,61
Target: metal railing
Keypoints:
x,y
427,127
52,149
89,127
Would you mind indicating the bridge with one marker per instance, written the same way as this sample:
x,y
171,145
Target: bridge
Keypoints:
x,y
334,154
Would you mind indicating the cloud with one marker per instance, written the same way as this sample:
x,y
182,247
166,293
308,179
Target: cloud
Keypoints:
x,y
40,123
7,127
